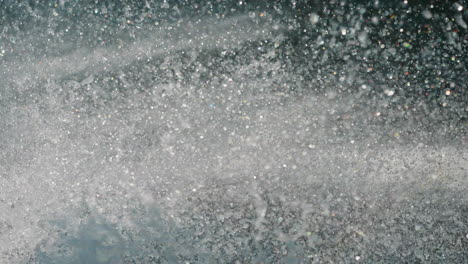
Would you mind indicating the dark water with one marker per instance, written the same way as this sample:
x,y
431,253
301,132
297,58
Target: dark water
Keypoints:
x,y
233,132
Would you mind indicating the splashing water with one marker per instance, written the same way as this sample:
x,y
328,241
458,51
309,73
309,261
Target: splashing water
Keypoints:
x,y
219,133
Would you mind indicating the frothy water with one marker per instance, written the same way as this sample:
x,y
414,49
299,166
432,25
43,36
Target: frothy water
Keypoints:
x,y
194,145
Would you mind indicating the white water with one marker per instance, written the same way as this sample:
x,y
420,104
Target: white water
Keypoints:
x,y
73,148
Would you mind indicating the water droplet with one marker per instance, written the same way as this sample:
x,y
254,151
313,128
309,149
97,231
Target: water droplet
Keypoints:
x,y
389,92
314,18
427,14
460,21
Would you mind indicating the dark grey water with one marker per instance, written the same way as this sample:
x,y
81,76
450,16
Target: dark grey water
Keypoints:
x,y
205,132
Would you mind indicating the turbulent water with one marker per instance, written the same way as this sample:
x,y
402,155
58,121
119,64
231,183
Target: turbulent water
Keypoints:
x,y
293,133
